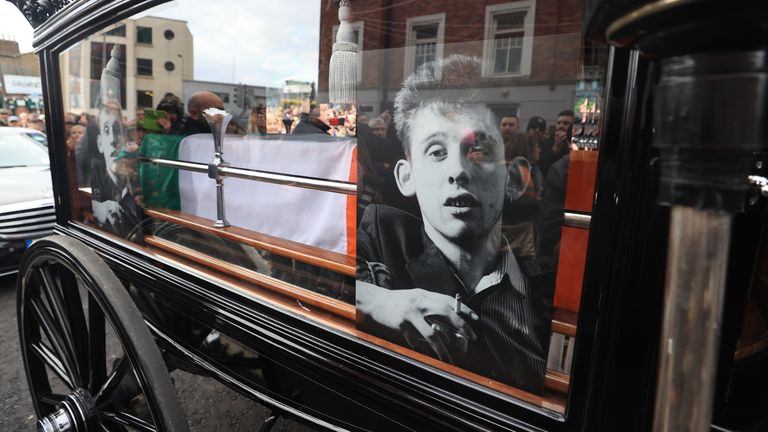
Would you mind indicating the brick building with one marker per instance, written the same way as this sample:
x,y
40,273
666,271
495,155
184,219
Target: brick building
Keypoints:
x,y
532,48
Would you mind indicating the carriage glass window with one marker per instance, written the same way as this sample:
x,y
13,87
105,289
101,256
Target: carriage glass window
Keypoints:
x,y
425,172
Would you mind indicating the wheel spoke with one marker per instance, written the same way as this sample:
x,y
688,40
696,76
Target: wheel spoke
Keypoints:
x,y
52,399
77,324
96,344
68,300
125,419
47,324
104,394
53,293
46,356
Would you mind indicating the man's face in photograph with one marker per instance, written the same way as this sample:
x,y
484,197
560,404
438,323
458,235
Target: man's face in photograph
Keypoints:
x,y
509,127
109,130
456,170
563,123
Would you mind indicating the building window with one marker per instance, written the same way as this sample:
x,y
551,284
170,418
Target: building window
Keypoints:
x,y
144,35
169,34
424,41
144,98
169,66
508,44
425,44
117,31
144,67
224,96
357,32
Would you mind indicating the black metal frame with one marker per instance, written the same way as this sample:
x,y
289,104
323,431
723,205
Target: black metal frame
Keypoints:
x,y
614,368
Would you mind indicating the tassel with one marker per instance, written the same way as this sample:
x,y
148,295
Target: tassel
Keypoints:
x,y
344,68
110,80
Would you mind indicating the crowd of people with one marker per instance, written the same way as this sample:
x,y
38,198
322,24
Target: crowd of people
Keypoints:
x,y
539,153
544,151
25,120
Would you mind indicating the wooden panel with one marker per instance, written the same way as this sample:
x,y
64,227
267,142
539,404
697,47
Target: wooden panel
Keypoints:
x,y
557,381
341,317
564,321
303,295
570,268
549,403
333,261
582,173
755,347
331,313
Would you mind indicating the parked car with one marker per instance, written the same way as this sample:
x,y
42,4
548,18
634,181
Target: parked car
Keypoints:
x,y
26,195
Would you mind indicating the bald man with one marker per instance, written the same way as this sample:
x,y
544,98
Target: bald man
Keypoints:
x,y
193,121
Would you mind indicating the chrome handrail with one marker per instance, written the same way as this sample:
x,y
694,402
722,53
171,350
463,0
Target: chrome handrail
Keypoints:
x,y
334,186
577,220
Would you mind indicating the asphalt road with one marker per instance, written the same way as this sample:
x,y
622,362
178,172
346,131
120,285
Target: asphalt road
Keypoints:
x,y
209,405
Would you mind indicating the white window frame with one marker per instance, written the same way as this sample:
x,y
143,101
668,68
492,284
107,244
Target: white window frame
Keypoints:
x,y
410,42
489,53
360,27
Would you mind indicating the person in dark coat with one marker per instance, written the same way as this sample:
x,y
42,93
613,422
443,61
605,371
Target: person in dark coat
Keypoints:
x,y
553,149
311,123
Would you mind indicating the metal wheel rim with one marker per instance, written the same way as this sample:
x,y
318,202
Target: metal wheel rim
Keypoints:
x,y
75,352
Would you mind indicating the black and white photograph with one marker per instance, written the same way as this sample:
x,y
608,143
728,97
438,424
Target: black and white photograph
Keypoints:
x,y
437,270
113,168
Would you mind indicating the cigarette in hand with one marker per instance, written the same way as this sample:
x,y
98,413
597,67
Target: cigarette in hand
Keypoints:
x,y
457,305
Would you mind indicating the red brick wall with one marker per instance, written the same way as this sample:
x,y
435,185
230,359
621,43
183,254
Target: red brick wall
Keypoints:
x,y
556,50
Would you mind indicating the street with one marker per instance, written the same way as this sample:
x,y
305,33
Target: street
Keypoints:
x,y
209,405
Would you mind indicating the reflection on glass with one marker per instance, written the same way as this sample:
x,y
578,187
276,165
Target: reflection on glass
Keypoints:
x,y
457,292
436,234
136,97
113,169
482,173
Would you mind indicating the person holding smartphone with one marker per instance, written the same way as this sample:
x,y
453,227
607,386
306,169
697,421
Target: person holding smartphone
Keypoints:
x,y
168,114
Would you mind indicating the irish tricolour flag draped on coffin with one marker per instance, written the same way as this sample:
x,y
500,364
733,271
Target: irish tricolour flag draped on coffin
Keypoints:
x,y
322,219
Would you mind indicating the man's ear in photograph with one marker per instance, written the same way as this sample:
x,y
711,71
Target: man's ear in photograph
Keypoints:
x,y
403,177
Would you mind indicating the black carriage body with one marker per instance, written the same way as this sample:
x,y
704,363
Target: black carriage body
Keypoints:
x,y
332,378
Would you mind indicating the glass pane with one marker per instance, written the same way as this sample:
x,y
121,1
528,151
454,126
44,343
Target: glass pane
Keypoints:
x,y
144,98
500,61
144,67
472,145
117,31
138,116
515,56
510,21
467,249
144,35
428,31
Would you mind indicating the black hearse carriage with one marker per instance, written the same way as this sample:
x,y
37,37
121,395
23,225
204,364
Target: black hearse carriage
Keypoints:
x,y
396,215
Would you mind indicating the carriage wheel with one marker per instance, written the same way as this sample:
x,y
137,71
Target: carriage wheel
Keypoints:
x,y
91,363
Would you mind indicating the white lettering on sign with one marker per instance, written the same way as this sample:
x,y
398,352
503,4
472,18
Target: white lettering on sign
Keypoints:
x,y
20,84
